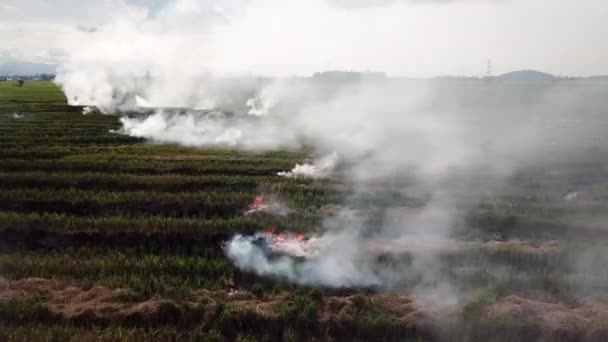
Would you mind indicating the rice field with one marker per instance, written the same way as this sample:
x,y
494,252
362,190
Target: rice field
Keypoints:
x,y
137,226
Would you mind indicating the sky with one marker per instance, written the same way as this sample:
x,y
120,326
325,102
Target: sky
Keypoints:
x,y
417,38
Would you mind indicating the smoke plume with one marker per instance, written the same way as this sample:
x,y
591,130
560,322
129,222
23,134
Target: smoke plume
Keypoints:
x,y
318,169
449,142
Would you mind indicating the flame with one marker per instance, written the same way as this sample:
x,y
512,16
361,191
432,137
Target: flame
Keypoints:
x,y
258,202
288,243
295,244
257,205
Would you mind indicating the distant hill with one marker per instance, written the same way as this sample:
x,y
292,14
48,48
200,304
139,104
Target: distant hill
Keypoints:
x,y
598,78
26,68
526,76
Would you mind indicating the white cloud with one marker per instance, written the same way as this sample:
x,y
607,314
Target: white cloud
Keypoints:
x,y
382,3
66,11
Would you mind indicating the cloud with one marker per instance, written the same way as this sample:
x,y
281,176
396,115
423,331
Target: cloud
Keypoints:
x,y
57,53
279,38
361,4
68,11
87,29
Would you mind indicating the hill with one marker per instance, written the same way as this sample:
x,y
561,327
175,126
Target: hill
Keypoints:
x,y
526,76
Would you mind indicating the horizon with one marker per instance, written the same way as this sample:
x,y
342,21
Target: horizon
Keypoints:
x,y
362,72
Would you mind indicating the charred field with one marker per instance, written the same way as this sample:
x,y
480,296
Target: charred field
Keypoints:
x,y
106,236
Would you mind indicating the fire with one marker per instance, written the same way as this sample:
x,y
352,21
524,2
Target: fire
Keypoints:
x,y
267,205
258,202
291,244
284,243
258,205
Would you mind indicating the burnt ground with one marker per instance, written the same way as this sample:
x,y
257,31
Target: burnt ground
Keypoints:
x,y
97,305
509,317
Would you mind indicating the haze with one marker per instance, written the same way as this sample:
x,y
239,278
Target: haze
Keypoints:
x,y
417,38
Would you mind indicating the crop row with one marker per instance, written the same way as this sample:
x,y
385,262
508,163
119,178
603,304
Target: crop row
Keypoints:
x,y
32,128
49,151
38,107
201,204
130,154
174,272
149,274
22,99
195,157
129,182
107,224
33,125
72,139
140,152
75,196
65,117
59,136
26,127
225,167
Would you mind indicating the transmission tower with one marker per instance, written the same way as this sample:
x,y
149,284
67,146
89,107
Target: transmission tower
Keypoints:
x,y
489,68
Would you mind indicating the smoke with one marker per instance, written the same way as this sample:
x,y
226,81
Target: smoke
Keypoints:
x,y
199,128
344,256
87,110
319,169
436,140
334,264
446,141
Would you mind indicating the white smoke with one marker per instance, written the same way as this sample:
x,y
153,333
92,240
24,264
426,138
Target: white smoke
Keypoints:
x,y
254,108
142,103
412,132
205,128
87,110
319,169
448,141
384,126
342,257
331,261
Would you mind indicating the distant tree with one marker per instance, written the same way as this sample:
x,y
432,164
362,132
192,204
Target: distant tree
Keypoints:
x,y
47,77
20,83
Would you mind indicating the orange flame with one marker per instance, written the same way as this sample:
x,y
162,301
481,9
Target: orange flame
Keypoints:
x,y
258,202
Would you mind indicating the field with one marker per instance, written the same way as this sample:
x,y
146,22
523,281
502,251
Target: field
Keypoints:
x,y
109,237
